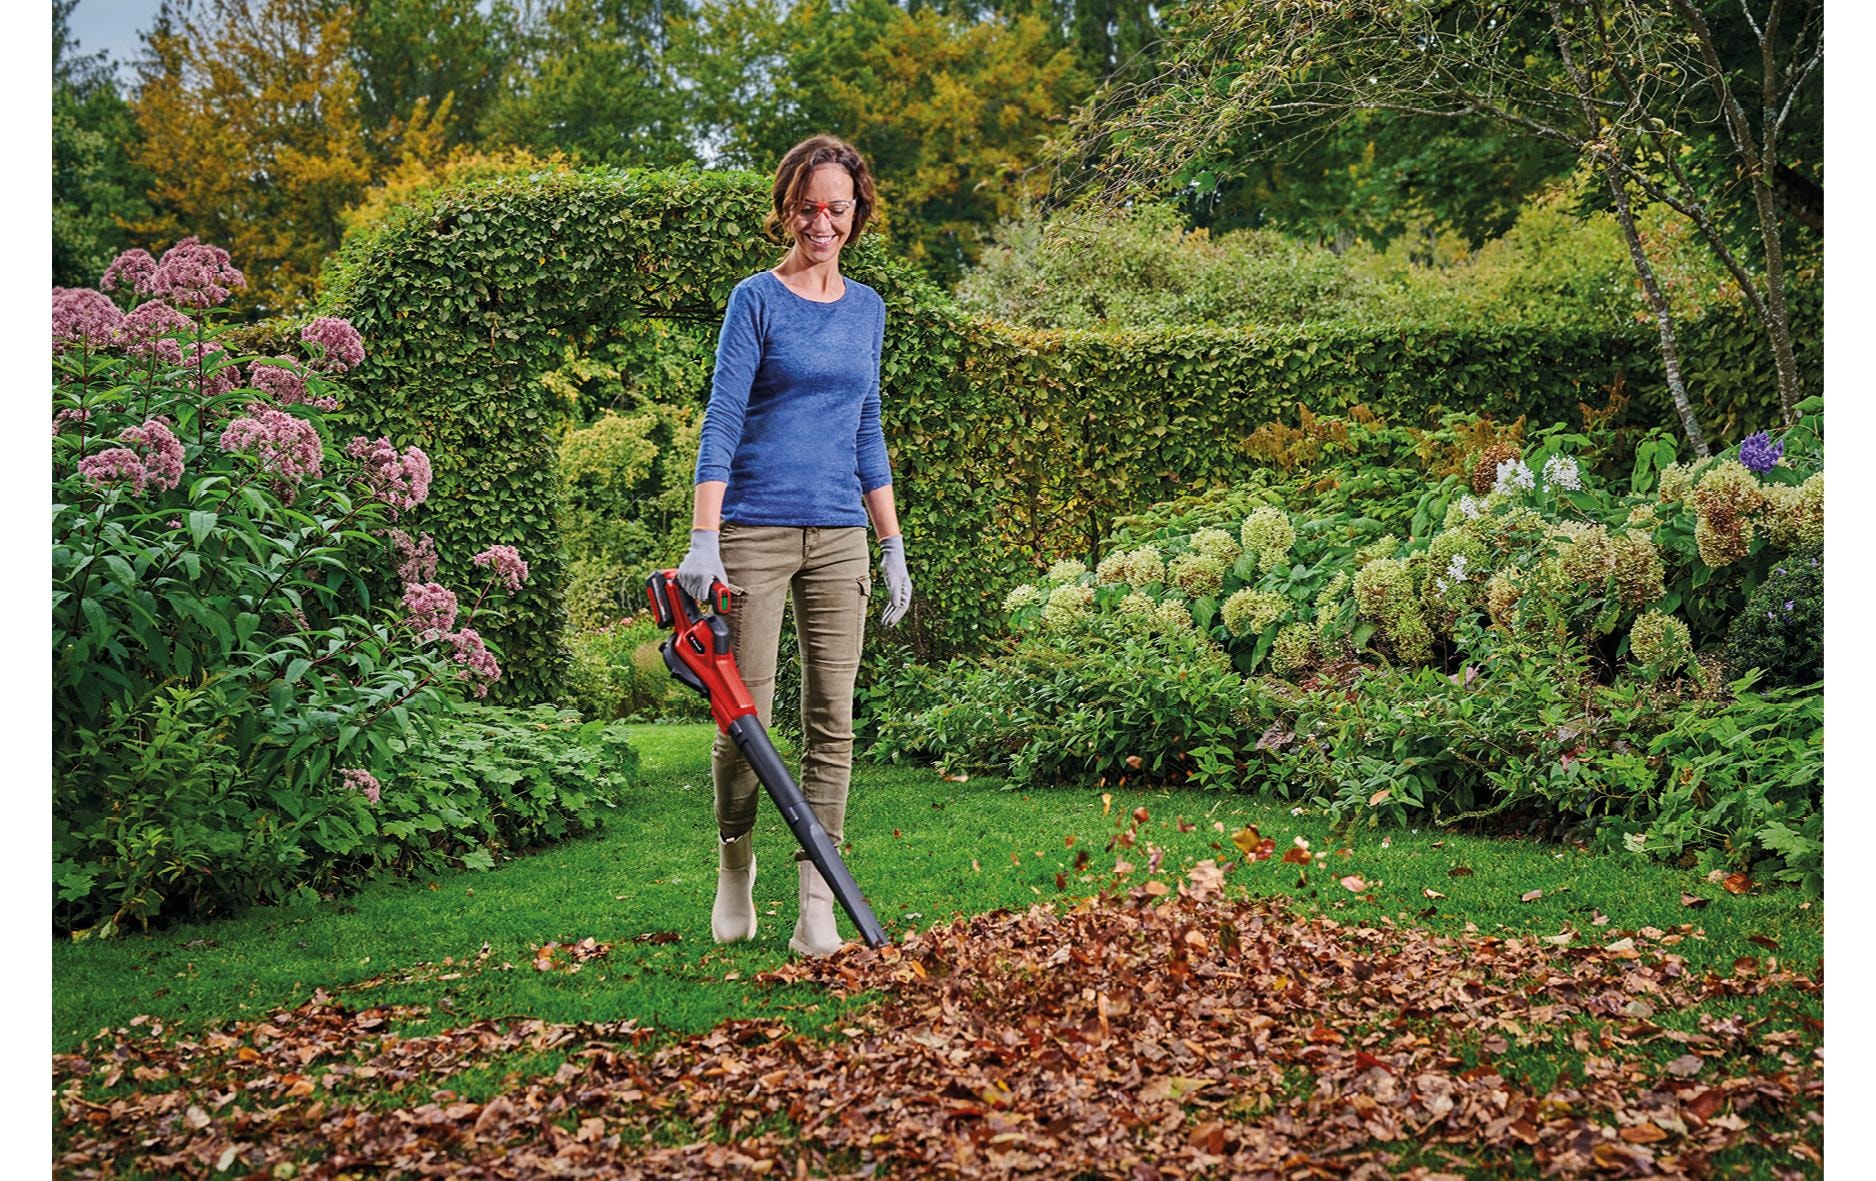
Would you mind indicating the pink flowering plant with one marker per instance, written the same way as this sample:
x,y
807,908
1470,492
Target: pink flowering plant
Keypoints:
x,y
231,683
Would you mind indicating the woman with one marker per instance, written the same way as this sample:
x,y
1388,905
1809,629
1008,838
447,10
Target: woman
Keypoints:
x,y
790,466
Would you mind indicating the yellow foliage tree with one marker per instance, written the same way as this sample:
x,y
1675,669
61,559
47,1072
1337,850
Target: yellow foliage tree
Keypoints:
x,y
949,111
251,131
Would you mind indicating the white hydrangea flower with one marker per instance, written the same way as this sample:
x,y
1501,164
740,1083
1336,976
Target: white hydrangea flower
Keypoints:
x,y
1066,604
1560,471
1456,569
1026,595
1470,505
1067,570
1514,476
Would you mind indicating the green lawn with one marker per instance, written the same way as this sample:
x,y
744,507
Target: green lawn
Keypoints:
x,y
923,849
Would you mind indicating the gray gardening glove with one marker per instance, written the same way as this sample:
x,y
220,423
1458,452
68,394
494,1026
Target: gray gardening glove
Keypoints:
x,y
898,582
701,565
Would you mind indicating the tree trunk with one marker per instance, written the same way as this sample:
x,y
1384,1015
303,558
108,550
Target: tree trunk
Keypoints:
x,y
1664,315
1625,215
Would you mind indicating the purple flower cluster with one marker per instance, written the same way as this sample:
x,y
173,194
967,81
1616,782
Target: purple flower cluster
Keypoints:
x,y
286,385
156,460
194,274
117,465
416,561
478,663
504,561
81,316
1759,453
148,327
160,451
339,342
133,269
401,481
288,447
360,780
430,608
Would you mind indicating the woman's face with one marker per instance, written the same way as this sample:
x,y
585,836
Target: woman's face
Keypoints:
x,y
825,218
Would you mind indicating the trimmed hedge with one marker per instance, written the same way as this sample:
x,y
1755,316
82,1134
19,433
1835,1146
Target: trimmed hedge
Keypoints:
x,y
1009,446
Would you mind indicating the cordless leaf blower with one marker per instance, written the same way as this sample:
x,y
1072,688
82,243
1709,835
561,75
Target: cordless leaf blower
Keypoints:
x,y
698,654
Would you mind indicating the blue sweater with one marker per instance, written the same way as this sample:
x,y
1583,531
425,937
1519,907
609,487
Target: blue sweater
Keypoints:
x,y
793,421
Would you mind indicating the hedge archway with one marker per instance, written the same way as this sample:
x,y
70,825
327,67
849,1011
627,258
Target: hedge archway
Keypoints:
x,y
464,300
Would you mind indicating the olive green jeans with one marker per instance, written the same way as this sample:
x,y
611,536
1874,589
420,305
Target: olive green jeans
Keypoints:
x,y
825,572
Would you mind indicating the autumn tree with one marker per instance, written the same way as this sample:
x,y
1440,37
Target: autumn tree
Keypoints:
x,y
252,132
949,111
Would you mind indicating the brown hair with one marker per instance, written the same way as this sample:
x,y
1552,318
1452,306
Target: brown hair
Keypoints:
x,y
791,185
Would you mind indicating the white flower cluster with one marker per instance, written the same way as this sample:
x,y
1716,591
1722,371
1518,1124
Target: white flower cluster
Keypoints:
x,y
1067,570
1560,471
1513,476
1026,595
1471,506
1455,573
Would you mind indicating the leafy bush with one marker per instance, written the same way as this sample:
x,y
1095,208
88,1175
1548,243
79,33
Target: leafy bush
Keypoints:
x,y
619,672
222,676
1436,653
492,783
1107,697
1781,630
1145,269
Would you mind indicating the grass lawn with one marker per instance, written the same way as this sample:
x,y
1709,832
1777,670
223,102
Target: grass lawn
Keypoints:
x,y
924,850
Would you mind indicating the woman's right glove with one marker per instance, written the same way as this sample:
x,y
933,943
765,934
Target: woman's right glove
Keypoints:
x,y
701,565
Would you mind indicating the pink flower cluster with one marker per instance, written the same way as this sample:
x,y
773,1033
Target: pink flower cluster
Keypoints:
x,y
416,561
401,481
117,465
194,274
478,663
286,385
70,414
430,608
505,562
288,447
133,269
361,780
161,451
156,460
81,316
149,326
339,342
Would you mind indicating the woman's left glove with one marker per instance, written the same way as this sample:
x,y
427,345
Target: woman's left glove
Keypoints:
x,y
898,582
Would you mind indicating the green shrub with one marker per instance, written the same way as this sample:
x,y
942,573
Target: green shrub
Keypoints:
x,y
1463,665
492,783
1781,630
1102,699
224,683
619,672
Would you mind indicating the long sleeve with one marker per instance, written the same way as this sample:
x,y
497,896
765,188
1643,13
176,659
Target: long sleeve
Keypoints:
x,y
873,465
739,351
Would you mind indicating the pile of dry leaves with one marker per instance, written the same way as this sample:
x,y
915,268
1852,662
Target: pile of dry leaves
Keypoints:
x,y
1170,1034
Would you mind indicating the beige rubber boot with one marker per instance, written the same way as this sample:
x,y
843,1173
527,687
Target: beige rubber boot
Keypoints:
x,y
733,918
815,933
